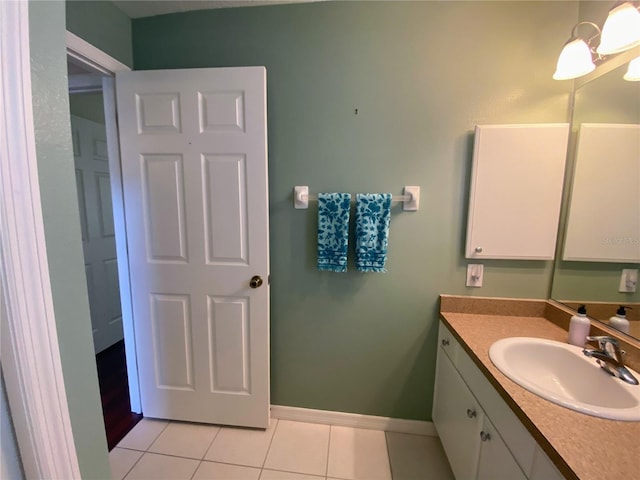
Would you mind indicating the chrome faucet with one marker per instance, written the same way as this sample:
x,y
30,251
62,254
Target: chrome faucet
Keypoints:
x,y
609,358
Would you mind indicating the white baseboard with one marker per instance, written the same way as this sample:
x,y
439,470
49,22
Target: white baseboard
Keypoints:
x,y
355,420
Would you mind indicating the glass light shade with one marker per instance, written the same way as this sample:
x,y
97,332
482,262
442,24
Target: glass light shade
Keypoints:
x,y
575,61
621,31
633,72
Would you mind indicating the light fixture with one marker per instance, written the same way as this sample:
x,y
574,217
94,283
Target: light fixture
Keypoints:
x,y
576,57
621,31
633,72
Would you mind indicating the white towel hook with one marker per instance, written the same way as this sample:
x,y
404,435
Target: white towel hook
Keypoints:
x,y
412,203
301,196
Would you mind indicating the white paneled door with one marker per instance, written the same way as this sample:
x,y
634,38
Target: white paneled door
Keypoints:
x,y
194,168
98,235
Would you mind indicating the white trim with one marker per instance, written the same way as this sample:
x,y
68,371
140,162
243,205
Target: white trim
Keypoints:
x,y
84,83
117,200
89,55
95,58
30,353
355,420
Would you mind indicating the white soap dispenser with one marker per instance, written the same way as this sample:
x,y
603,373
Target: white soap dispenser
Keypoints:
x,y
579,326
619,320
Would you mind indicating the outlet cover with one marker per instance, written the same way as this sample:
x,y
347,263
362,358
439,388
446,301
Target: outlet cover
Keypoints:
x,y
475,272
628,280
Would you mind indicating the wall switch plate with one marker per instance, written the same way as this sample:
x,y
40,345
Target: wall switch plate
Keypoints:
x,y
628,280
475,273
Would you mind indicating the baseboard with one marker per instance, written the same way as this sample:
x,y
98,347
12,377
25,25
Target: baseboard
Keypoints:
x,y
355,420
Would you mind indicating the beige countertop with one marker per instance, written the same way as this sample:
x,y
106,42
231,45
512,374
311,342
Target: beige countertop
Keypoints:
x,y
581,446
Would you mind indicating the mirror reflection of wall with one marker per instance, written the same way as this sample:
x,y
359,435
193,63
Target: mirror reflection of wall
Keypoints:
x,y
606,100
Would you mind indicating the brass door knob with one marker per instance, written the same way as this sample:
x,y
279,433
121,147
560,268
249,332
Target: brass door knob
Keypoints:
x,y
255,281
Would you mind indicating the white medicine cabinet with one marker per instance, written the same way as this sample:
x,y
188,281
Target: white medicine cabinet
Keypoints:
x,y
516,191
604,213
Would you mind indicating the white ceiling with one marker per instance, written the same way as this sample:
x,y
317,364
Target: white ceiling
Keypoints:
x,y
149,8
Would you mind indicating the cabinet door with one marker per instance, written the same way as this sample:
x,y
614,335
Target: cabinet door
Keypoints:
x,y
518,440
457,418
516,190
496,462
543,468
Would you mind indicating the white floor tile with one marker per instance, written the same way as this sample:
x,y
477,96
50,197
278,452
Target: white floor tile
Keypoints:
x,y
415,457
185,440
121,461
241,446
299,447
275,475
143,434
358,454
162,467
221,471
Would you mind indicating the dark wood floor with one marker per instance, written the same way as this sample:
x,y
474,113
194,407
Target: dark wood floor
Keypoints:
x,y
114,391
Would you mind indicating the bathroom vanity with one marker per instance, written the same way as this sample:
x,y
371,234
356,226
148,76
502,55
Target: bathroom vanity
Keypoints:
x,y
492,428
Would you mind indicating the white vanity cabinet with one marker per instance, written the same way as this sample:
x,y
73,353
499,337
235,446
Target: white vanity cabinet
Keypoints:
x,y
482,437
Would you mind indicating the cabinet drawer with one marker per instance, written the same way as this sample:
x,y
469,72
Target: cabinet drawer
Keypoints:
x,y
515,435
448,343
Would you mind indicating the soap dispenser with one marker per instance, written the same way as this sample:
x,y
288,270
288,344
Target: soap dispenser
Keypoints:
x,y
619,320
579,326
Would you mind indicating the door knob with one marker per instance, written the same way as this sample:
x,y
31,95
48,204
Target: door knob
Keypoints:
x,y
255,281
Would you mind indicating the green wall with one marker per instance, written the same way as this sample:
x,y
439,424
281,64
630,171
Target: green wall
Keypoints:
x,y
88,105
422,75
62,234
103,25
10,461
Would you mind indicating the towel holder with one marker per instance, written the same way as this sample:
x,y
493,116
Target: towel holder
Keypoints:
x,y
410,198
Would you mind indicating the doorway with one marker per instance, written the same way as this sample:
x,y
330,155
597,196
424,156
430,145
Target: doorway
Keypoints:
x,y
99,247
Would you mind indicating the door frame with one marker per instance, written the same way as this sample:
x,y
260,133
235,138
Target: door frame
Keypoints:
x,y
30,349
94,58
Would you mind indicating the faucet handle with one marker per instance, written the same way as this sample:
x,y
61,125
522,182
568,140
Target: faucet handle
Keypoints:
x,y
603,343
603,340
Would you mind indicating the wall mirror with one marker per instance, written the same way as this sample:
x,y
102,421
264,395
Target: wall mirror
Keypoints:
x,y
602,98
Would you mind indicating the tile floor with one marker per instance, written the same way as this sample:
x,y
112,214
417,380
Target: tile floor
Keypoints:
x,y
157,449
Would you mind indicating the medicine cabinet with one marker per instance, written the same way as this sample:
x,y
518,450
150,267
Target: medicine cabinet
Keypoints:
x,y
516,191
604,220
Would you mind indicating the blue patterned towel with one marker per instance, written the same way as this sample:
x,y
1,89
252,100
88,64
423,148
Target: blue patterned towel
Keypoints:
x,y
333,231
373,212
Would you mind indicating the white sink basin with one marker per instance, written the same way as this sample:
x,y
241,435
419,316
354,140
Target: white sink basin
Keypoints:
x,y
562,374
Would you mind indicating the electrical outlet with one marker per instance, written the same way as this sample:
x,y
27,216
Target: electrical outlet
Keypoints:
x,y
475,272
628,280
